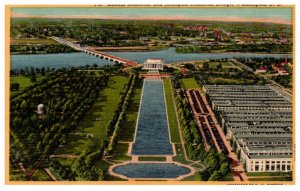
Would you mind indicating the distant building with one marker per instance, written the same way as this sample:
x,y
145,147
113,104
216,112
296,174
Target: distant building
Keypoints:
x,y
153,64
40,109
282,72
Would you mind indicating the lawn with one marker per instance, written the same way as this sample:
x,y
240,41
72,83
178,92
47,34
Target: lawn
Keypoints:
x,y
152,158
269,176
188,83
127,134
24,82
229,81
268,173
120,152
96,118
224,64
271,179
128,130
173,125
66,161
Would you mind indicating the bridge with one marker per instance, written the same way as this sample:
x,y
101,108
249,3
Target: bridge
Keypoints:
x,y
95,53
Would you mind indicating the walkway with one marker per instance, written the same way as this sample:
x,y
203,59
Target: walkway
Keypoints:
x,y
50,174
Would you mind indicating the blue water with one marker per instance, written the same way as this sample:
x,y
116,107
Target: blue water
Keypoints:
x,y
151,170
152,136
280,13
170,55
81,59
55,60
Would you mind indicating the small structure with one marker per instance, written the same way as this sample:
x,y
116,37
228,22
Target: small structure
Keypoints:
x,y
282,72
153,64
40,109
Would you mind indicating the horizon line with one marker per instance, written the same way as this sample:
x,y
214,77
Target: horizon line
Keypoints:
x,y
159,17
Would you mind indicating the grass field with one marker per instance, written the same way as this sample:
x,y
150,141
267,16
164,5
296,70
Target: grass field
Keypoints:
x,y
96,118
120,152
269,176
228,81
270,179
188,83
268,173
224,64
173,125
24,82
152,158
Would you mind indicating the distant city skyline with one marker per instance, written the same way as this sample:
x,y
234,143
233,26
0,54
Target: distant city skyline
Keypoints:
x,y
242,14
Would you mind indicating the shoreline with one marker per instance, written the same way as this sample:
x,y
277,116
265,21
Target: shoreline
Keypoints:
x,y
127,49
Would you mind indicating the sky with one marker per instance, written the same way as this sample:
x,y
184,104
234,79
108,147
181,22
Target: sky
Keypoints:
x,y
252,14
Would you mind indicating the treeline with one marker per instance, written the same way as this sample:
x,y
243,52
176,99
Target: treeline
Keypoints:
x,y
65,96
264,48
41,49
125,32
217,163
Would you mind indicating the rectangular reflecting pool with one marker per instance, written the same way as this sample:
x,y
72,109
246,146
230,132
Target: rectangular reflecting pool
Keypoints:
x,y
152,133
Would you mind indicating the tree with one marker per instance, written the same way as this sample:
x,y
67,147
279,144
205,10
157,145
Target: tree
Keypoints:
x,y
219,66
225,168
216,176
14,86
206,65
33,78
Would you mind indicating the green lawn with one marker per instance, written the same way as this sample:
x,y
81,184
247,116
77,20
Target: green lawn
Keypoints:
x,y
128,130
173,125
229,81
96,118
66,161
120,152
188,83
152,158
269,176
24,82
224,64
268,173
271,179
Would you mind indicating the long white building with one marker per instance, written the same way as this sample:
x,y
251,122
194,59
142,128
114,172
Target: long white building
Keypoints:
x,y
259,121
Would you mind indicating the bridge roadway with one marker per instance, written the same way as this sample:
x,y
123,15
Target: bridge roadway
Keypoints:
x,y
94,52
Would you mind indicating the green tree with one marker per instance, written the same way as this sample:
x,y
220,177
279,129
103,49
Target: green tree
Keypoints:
x,y
14,86
206,65
216,176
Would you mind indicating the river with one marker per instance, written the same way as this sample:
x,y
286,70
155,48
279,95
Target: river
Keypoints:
x,y
81,59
